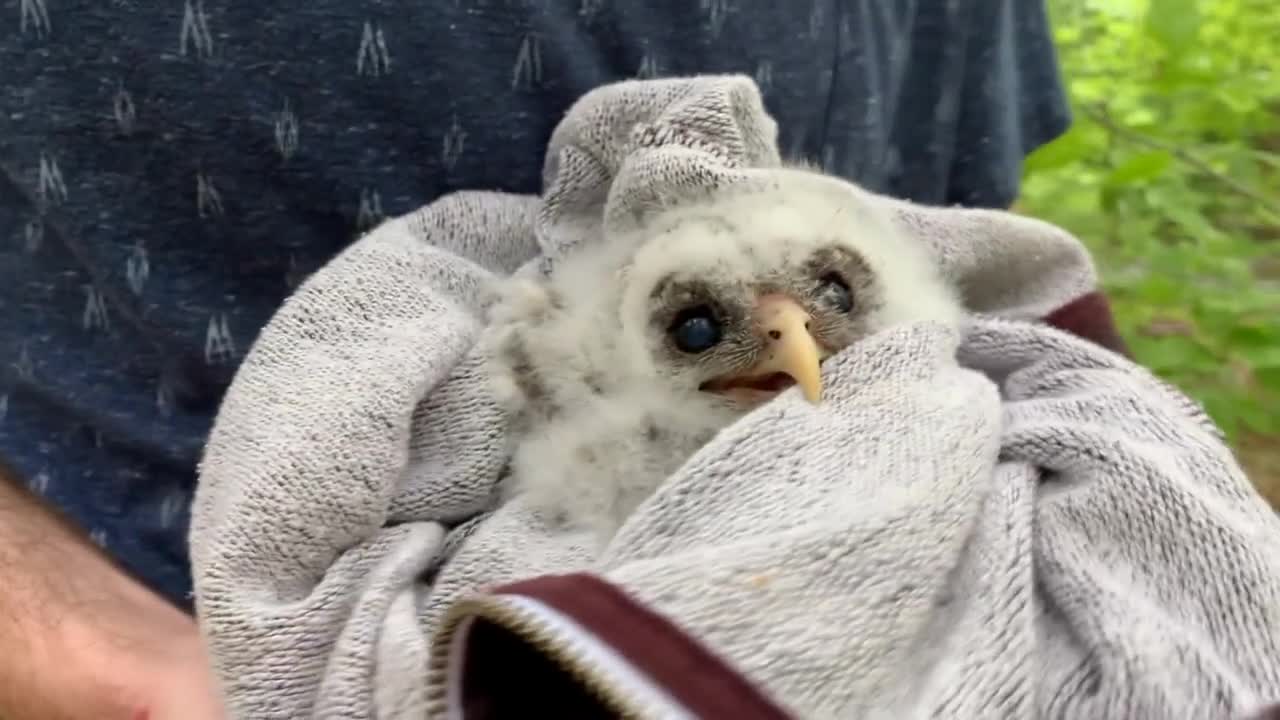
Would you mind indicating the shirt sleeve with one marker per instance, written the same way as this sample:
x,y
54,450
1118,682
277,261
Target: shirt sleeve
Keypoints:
x,y
1012,101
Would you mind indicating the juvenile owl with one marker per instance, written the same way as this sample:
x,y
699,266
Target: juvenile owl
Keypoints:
x,y
637,350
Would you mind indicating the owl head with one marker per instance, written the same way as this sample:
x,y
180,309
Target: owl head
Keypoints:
x,y
726,301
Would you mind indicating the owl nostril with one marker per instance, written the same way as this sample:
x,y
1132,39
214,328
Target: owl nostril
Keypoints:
x,y
806,324
775,334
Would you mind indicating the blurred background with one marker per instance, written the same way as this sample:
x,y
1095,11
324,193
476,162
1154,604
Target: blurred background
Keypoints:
x,y
1171,174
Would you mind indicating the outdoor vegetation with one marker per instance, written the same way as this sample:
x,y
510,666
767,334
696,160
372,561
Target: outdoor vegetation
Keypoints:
x,y
1171,174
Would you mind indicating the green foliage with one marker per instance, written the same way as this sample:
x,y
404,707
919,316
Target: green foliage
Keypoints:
x,y
1171,174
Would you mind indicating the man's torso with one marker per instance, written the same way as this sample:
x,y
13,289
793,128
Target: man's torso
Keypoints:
x,y
167,178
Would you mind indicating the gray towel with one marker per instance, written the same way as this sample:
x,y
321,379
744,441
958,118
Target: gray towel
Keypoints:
x,y
1042,529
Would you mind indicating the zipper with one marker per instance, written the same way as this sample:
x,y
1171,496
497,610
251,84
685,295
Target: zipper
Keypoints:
x,y
538,633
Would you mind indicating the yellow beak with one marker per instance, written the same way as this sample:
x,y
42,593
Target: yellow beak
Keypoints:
x,y
792,349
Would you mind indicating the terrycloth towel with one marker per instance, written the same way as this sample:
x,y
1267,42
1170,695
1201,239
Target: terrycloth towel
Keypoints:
x,y
1041,528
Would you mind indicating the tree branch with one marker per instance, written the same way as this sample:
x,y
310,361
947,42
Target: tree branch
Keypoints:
x,y
1101,118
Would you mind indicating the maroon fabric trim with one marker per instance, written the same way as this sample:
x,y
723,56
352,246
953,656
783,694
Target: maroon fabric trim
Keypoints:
x,y
1270,712
505,677
1089,317
671,659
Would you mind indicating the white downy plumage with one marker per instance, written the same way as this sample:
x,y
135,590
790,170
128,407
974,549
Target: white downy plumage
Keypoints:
x,y
636,351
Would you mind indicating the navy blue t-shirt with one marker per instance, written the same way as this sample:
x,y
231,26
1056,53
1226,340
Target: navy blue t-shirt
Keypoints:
x,y
170,171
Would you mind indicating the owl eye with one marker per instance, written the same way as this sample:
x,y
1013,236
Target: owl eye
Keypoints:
x,y
696,330
833,291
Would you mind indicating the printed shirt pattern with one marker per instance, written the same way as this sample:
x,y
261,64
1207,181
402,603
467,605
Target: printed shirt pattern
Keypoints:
x,y
170,172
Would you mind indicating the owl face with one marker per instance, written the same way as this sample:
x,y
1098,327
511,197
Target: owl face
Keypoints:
x,y
717,304
746,333
744,298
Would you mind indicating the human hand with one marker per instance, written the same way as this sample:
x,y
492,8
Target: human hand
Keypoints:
x,y
176,685
79,638
88,667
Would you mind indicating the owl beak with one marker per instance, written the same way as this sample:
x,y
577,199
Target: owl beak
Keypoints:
x,y
792,349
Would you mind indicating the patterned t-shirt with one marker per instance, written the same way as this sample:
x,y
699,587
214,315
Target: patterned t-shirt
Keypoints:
x,y
170,171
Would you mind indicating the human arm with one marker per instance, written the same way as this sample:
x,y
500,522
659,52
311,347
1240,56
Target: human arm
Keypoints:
x,y
82,639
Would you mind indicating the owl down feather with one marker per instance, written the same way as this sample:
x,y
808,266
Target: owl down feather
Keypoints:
x,y
635,351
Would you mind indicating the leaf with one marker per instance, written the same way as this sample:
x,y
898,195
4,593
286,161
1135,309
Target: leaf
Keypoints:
x,y
1173,23
1252,338
1066,35
1239,100
1269,158
1258,417
1172,353
1089,89
1139,168
1069,147
1230,306
1179,77
1160,291
1139,117
1120,9
1192,221
1268,377
1263,358
1109,198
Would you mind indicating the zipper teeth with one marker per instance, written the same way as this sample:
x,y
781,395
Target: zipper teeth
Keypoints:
x,y
620,702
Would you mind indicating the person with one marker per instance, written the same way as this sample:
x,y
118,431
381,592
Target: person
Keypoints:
x,y
169,176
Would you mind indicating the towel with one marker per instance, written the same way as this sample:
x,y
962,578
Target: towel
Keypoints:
x,y
1003,519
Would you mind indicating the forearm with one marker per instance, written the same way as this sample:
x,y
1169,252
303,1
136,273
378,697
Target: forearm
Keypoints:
x,y
78,635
